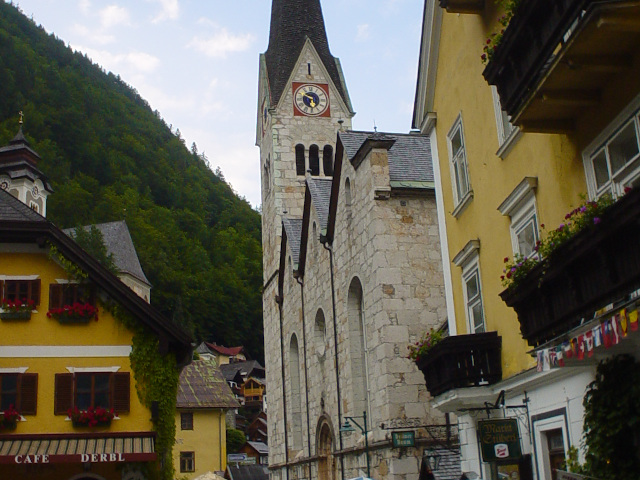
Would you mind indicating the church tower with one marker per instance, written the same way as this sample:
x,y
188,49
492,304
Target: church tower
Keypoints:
x,y
302,103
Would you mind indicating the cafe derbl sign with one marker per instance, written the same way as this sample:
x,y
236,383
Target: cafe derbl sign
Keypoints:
x,y
499,440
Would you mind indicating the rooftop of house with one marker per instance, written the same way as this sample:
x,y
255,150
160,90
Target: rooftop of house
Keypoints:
x,y
203,386
247,472
118,241
248,368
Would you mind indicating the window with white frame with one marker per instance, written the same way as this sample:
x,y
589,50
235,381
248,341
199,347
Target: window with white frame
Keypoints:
x,y
458,157
468,260
473,297
612,162
520,205
503,121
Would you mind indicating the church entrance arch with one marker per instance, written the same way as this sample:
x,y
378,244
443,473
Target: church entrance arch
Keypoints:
x,y
324,442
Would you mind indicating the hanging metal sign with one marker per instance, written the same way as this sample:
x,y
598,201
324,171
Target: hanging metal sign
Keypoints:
x,y
404,439
499,440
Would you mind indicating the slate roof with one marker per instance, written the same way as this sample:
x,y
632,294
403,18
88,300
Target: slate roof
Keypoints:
x,y
260,447
292,22
230,370
320,189
247,472
203,386
118,241
227,351
293,229
410,157
12,209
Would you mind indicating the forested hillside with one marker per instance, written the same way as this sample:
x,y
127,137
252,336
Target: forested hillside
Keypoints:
x,y
109,156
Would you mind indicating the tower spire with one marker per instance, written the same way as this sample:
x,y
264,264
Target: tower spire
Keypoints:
x,y
292,22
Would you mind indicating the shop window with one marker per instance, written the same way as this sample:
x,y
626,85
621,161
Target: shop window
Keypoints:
x,y
20,290
186,421
19,390
92,389
70,293
555,445
187,462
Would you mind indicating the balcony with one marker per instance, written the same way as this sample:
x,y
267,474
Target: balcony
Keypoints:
x,y
556,57
462,6
462,361
599,266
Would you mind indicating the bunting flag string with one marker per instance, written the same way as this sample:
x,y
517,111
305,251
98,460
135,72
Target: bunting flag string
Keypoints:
x,y
611,331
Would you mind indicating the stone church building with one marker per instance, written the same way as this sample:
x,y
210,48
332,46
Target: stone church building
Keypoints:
x,y
352,270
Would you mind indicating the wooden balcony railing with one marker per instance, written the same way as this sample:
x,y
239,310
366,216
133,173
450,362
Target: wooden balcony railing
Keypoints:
x,y
462,361
600,265
557,56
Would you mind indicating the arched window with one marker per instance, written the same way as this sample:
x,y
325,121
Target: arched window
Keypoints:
x,y
347,192
314,160
296,397
300,163
320,334
358,349
327,160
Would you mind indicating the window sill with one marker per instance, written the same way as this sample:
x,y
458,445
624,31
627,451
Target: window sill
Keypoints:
x,y
463,204
509,143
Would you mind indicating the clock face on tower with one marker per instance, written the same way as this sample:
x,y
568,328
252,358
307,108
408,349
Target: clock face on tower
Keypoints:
x,y
311,99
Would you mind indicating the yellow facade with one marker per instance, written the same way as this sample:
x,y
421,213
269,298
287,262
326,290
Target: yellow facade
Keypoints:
x,y
207,440
554,159
73,349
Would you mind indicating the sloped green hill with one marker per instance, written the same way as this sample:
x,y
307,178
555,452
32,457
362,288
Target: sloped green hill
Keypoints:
x,y
110,156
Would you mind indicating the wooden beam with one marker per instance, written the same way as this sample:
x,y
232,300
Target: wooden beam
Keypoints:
x,y
547,126
599,63
619,23
571,98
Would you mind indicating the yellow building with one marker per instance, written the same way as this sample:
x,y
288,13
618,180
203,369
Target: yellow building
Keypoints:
x,y
203,400
83,359
551,118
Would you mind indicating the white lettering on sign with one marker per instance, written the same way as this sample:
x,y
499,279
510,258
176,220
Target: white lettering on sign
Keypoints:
x,y
101,457
31,458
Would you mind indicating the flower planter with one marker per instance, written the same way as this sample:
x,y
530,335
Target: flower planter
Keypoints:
x,y
74,319
9,425
15,315
80,424
462,361
598,266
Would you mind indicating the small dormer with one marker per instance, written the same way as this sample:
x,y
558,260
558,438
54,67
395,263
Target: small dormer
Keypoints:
x,y
20,176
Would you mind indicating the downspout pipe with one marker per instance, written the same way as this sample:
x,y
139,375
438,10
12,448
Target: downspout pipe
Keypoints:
x,y
306,376
327,247
279,301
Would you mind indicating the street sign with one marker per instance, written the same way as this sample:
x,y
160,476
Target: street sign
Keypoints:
x,y
404,439
499,439
236,457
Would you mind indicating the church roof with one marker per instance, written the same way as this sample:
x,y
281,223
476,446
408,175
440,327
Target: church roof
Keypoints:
x,y
19,160
118,241
320,189
292,22
12,209
293,229
410,157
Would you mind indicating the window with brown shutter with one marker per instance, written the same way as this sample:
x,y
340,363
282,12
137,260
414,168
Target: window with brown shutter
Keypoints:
x,y
121,392
21,290
86,389
19,390
63,393
70,293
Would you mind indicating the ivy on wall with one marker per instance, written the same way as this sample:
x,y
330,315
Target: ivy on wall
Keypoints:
x,y
612,420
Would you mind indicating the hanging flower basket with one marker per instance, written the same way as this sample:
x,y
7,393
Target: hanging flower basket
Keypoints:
x,y
9,419
92,417
73,314
16,309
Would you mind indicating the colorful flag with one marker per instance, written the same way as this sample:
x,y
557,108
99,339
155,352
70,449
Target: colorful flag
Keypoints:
x,y
588,339
597,336
615,330
606,333
559,356
580,343
622,317
539,368
633,320
566,346
546,366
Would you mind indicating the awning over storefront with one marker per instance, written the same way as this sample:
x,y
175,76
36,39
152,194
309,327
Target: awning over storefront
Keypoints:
x,y
118,447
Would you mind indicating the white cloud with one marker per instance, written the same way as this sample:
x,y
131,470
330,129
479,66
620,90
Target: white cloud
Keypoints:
x,y
84,6
94,36
139,62
170,10
363,32
222,43
114,15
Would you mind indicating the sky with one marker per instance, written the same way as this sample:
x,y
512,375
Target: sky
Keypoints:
x,y
196,62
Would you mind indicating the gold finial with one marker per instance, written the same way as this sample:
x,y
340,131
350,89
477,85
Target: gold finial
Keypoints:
x,y
21,117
